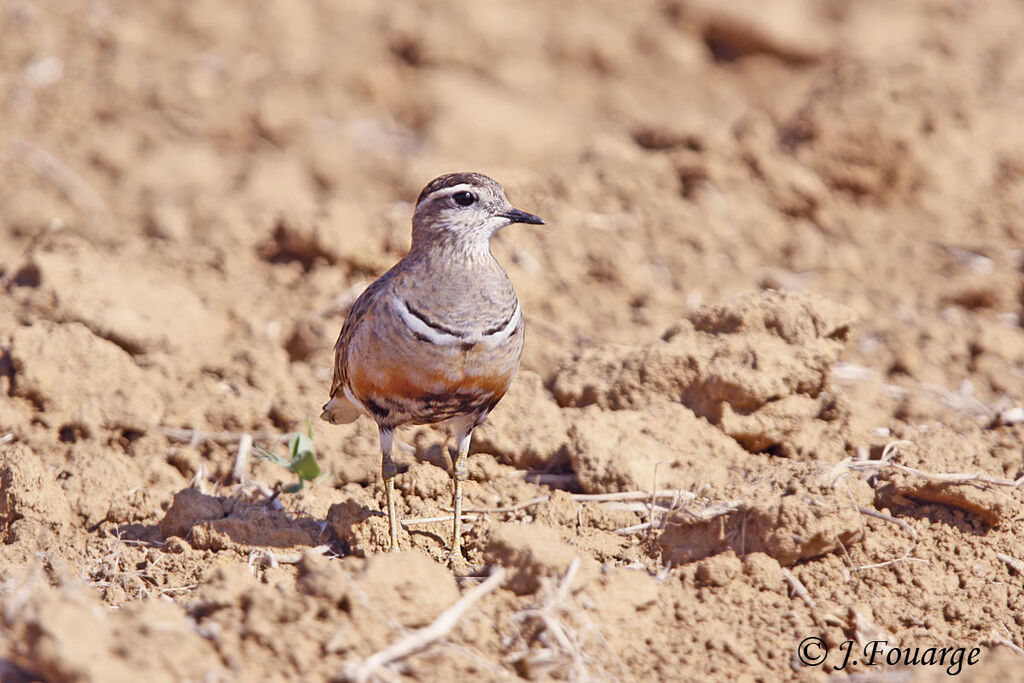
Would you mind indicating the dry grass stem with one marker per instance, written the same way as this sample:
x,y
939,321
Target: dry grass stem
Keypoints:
x,y
635,506
684,496
627,530
239,471
199,479
717,510
508,508
430,520
555,480
561,654
194,437
888,563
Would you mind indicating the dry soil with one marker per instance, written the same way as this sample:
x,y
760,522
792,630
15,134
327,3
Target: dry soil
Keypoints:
x,y
781,283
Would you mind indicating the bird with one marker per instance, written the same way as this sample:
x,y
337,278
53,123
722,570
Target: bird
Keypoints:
x,y
438,338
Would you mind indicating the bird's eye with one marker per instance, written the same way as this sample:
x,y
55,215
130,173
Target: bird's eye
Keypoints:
x,y
464,198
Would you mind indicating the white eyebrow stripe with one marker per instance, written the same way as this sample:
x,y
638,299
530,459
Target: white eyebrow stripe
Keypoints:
x,y
447,191
494,339
422,329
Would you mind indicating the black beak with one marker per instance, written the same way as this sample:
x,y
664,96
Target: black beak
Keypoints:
x,y
517,216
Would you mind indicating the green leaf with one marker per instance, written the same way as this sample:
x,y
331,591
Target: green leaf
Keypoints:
x,y
294,488
306,466
299,445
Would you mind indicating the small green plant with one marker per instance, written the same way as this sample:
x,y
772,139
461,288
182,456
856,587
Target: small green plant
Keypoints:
x,y
302,463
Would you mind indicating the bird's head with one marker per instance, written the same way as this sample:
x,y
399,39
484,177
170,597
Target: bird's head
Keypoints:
x,y
465,208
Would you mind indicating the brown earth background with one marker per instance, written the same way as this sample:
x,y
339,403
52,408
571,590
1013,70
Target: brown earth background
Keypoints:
x,y
781,280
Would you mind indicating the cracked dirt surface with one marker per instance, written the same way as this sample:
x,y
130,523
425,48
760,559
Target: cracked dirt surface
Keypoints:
x,y
781,284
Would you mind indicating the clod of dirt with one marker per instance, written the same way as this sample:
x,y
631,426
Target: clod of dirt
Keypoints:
x,y
305,339
254,527
123,301
757,366
764,571
663,444
280,184
360,524
860,131
527,429
322,578
425,481
718,570
533,553
627,590
48,628
28,492
78,378
190,507
942,450
793,513
217,524
242,614
991,506
787,30
407,586
290,242
96,479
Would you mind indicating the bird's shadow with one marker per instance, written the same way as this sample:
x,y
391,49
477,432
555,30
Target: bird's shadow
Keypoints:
x,y
214,522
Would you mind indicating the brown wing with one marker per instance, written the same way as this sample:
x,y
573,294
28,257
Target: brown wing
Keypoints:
x,y
338,409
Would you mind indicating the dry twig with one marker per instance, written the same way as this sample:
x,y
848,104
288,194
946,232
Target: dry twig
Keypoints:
x,y
54,171
939,477
412,521
1012,562
1003,640
421,638
798,588
886,462
871,512
271,559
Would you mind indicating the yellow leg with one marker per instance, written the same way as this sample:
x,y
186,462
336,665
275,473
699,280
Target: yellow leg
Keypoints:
x,y
459,475
388,472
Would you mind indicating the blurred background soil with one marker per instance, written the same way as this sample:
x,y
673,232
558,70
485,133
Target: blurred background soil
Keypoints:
x,y
781,237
